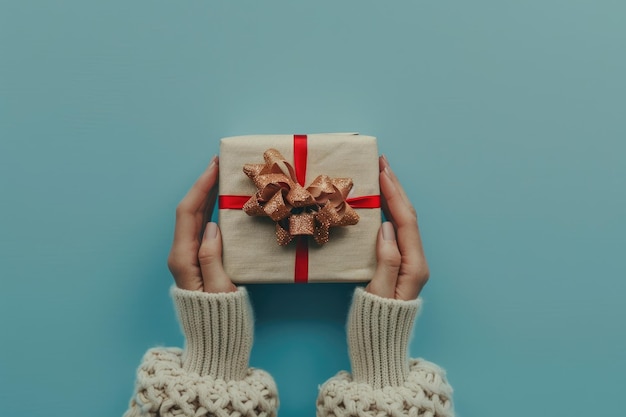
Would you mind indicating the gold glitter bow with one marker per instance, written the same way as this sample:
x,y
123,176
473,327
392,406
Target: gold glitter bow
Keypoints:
x,y
295,209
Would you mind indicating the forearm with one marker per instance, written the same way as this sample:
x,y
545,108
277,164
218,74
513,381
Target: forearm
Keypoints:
x,y
378,337
211,376
384,379
218,332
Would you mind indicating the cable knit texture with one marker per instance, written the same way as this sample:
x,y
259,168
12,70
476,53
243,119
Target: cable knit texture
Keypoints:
x,y
384,381
165,389
210,378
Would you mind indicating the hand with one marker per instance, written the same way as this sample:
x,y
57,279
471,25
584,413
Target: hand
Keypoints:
x,y
402,269
195,259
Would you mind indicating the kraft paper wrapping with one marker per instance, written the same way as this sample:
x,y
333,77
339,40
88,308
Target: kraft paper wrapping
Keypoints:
x,y
250,251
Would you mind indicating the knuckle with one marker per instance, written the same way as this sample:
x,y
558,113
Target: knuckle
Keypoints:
x,y
411,213
176,264
207,255
419,272
172,263
390,258
183,209
180,210
408,218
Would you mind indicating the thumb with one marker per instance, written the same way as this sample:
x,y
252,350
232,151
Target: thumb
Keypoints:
x,y
389,259
210,259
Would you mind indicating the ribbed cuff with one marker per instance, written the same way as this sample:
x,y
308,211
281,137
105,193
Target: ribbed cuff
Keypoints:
x,y
218,332
379,330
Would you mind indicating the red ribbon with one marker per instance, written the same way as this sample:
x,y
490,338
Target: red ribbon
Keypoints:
x,y
301,270
236,202
300,157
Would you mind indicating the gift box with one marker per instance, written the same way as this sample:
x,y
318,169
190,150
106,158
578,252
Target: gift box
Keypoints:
x,y
299,208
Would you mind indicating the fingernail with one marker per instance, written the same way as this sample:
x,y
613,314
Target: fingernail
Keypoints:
x,y
211,230
385,160
213,162
388,232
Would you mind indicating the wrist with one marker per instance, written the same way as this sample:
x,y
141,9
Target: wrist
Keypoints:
x,y
218,332
379,331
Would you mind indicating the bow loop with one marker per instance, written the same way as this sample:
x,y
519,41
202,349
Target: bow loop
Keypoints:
x,y
275,163
298,196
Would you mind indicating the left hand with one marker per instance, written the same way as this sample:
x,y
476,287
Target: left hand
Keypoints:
x,y
402,269
195,259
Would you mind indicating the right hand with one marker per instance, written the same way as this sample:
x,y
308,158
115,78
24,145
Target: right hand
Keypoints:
x,y
195,259
402,269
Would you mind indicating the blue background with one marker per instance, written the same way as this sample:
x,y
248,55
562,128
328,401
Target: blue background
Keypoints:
x,y
505,121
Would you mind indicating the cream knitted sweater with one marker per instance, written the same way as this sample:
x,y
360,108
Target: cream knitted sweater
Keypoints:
x,y
211,376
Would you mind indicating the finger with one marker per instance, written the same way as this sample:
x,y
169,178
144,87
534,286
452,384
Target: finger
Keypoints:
x,y
197,196
389,260
398,206
183,257
414,269
210,206
383,165
385,168
404,218
210,259
190,211
382,162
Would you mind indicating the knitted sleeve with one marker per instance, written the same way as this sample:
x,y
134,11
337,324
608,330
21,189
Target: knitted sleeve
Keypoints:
x,y
384,381
210,377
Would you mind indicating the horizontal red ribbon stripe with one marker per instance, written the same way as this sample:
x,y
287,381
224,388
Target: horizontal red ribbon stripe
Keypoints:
x,y
366,201
236,202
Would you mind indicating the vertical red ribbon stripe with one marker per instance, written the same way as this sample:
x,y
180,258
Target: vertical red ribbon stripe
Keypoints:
x,y
301,270
300,157
236,202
